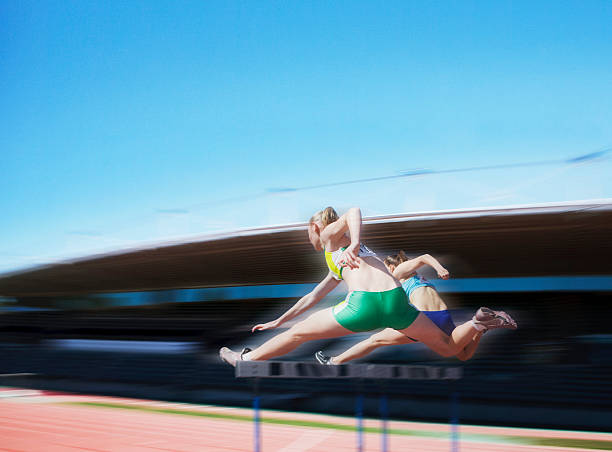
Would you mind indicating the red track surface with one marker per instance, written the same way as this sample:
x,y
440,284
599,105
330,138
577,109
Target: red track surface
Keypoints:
x,y
44,422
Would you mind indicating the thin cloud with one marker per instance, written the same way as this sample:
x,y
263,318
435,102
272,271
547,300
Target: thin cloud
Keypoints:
x,y
83,233
173,211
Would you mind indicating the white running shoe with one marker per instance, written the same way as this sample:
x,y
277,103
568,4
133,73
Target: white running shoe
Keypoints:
x,y
323,359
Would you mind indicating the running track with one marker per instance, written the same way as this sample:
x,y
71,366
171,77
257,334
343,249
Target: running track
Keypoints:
x,y
52,422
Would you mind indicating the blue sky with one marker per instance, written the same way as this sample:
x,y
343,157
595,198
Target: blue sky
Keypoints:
x,y
125,122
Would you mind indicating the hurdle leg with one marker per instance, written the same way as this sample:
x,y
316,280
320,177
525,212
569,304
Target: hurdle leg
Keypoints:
x,y
455,420
256,417
359,418
384,415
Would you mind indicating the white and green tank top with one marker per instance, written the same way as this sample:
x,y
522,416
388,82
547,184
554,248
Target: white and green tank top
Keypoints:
x,y
332,257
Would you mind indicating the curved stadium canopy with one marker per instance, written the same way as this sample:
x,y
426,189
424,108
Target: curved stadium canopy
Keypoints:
x,y
555,239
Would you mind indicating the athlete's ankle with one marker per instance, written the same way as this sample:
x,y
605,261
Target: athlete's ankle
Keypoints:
x,y
478,326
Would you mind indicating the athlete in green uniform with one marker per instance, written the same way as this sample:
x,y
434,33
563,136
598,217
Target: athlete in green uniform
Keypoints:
x,y
375,300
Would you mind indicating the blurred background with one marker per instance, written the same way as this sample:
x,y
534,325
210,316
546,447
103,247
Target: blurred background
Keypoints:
x,y
159,161
148,323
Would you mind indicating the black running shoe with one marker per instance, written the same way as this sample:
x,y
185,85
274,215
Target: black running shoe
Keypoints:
x,y
323,359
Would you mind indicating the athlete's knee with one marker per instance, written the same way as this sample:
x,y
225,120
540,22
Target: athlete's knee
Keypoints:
x,y
299,334
462,357
377,341
446,350
447,353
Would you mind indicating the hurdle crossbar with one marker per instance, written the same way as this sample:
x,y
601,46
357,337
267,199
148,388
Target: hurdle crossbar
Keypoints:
x,y
296,369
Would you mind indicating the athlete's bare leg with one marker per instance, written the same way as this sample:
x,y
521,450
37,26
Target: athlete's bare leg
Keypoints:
x,y
320,325
422,329
425,331
470,349
388,336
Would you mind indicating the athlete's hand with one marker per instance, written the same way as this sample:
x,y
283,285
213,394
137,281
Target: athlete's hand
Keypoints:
x,y
350,257
443,273
265,326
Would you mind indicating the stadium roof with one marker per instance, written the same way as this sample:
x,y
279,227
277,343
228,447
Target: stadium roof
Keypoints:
x,y
538,240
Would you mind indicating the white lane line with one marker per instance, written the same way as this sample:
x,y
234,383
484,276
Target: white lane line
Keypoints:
x,y
7,394
307,440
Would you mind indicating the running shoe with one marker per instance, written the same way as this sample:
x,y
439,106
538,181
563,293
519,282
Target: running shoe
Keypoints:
x,y
231,357
494,319
323,359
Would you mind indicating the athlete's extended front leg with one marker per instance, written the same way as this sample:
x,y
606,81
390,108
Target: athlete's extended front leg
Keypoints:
x,y
320,325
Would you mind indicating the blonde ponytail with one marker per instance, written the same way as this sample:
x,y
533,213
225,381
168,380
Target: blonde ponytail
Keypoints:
x,y
326,216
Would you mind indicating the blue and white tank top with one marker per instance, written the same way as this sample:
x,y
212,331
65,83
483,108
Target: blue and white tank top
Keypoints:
x,y
414,282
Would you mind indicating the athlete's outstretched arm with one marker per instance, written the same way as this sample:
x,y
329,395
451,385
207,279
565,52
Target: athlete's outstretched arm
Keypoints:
x,y
303,304
407,268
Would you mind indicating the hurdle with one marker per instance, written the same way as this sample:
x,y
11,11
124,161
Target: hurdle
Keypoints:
x,y
257,370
